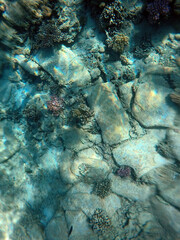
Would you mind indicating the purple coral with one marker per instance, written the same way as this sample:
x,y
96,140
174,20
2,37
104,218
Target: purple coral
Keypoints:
x,y
55,105
157,9
124,171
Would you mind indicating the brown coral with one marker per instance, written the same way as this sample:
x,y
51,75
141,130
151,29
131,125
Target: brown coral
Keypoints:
x,y
118,42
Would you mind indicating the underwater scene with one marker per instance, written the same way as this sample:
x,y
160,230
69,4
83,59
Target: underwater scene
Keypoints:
x,y
89,119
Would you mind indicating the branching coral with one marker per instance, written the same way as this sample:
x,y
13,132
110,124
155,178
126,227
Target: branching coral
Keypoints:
x,y
55,30
48,34
45,22
113,15
102,188
100,222
118,42
32,114
158,9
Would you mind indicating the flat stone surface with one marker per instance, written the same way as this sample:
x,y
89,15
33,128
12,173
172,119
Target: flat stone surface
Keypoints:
x,y
168,216
152,105
140,154
87,163
171,193
126,94
77,221
109,113
57,228
65,66
131,190
92,160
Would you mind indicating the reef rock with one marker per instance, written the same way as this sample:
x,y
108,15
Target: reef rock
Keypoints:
x,y
130,190
140,154
9,145
65,66
79,228
171,193
152,106
168,217
174,142
57,228
86,164
109,113
80,197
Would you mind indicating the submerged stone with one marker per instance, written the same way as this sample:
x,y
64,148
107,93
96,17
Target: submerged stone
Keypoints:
x,y
109,113
168,217
152,106
65,66
131,190
140,154
57,228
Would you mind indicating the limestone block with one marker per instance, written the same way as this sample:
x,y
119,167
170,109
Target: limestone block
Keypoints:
x,y
109,113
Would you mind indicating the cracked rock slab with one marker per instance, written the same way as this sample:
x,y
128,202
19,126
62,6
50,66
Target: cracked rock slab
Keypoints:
x,y
80,229
80,197
140,154
168,217
65,66
109,113
130,190
171,193
152,105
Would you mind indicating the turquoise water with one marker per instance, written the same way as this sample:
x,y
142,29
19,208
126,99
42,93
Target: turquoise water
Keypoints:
x,y
89,120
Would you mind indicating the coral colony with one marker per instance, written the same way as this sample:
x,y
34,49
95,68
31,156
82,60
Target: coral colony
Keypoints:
x,y
157,9
124,171
55,105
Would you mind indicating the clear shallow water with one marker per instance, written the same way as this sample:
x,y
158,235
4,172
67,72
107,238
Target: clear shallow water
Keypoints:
x,y
89,121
